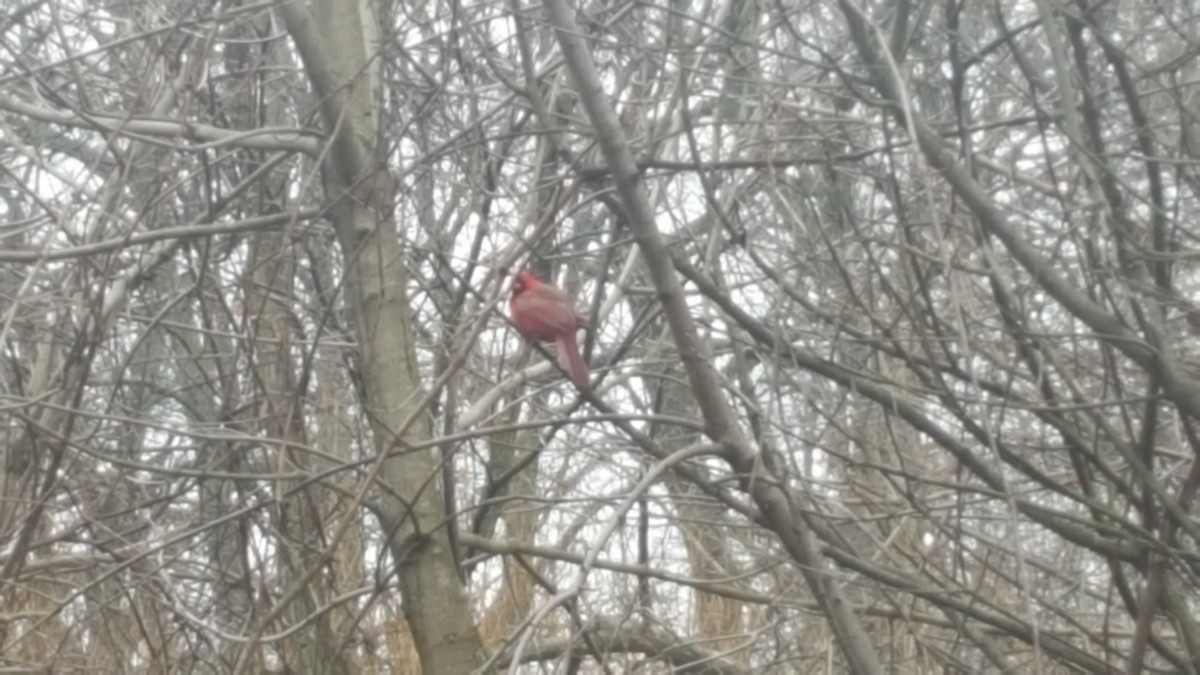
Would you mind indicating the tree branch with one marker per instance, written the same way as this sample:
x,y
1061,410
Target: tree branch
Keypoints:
x,y
720,422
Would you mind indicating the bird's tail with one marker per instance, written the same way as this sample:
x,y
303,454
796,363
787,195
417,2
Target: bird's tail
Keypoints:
x,y
571,360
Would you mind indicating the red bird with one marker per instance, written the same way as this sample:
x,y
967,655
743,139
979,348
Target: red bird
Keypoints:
x,y
543,313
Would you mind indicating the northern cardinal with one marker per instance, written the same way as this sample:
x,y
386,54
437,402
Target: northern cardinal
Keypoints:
x,y
544,313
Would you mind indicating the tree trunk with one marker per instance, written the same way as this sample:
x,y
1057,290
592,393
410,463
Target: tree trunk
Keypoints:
x,y
408,502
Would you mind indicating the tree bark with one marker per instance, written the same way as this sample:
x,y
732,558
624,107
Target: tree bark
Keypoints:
x,y
409,504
